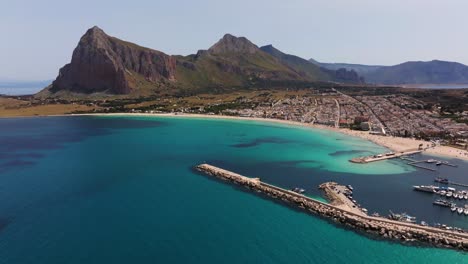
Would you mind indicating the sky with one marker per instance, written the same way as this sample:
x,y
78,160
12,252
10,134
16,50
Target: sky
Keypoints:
x,y
38,37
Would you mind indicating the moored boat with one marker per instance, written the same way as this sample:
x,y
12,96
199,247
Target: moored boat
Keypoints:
x,y
298,190
426,188
441,180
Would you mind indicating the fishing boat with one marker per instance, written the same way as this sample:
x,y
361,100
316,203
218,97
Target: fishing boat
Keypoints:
x,y
441,180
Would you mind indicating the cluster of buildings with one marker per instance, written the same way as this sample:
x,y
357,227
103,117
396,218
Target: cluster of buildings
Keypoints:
x,y
396,115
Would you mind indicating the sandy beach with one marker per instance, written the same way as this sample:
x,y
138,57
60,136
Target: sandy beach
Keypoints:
x,y
396,144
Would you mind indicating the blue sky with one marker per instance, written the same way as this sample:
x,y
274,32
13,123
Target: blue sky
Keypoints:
x,y
38,37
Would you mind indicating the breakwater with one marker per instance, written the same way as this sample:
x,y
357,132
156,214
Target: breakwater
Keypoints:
x,y
386,228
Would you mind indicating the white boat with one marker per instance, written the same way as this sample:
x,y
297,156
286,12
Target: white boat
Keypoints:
x,y
453,209
449,194
465,197
460,210
455,195
442,192
431,161
465,212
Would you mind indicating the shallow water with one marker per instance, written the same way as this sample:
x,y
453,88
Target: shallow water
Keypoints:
x,y
122,189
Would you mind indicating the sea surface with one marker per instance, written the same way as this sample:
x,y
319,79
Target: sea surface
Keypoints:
x,y
19,90
123,190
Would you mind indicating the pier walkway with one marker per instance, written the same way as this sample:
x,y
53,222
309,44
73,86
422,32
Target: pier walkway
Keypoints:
x,y
385,156
380,226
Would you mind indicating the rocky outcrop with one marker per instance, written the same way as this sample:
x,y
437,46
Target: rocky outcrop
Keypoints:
x,y
101,63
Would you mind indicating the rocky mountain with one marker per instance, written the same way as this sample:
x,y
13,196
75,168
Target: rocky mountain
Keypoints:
x,y
105,64
101,63
412,72
232,62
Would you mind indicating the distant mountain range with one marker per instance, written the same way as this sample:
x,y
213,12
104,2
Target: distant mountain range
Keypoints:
x,y
105,64
412,72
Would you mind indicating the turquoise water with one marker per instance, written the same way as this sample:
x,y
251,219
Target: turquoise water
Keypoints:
x,y
122,190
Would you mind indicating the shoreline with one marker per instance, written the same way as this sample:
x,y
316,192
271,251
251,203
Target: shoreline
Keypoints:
x,y
396,144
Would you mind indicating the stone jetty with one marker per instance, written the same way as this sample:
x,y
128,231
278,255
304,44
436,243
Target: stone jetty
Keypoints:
x,y
339,212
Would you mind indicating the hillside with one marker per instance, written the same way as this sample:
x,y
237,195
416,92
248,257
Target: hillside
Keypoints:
x,y
360,69
102,64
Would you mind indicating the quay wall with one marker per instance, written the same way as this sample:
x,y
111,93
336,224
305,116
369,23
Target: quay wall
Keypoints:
x,y
383,227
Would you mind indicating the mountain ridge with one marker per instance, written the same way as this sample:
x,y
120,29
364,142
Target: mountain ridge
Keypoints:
x,y
105,64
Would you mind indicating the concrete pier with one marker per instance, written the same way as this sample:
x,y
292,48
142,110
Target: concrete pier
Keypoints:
x,y
384,156
340,212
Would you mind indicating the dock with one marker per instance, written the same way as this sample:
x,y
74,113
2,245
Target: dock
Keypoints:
x,y
341,212
385,156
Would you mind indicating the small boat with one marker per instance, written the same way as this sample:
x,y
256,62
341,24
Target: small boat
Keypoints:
x,y
455,195
460,196
453,209
426,188
449,194
423,223
443,192
465,211
431,161
465,197
298,190
441,180
350,187
460,210
438,163
441,202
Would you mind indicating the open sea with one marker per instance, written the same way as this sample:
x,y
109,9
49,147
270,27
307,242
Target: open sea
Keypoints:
x,y
122,190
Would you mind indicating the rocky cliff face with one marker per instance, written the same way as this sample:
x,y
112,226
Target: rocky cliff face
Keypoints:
x,y
101,63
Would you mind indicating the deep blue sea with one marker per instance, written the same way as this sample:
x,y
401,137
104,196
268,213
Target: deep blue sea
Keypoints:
x,y
122,190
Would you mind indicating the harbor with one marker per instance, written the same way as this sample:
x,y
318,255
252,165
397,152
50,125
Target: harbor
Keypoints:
x,y
343,210
449,197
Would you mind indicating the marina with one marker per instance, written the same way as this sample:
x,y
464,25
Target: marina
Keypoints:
x,y
343,210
